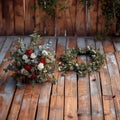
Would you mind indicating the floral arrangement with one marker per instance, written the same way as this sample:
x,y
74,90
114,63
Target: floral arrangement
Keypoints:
x,y
67,62
34,64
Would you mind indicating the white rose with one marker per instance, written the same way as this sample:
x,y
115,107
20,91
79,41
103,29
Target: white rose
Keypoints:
x,y
33,55
24,57
44,52
40,66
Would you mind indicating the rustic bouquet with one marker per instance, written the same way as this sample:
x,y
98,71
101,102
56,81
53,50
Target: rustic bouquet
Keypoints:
x,y
34,63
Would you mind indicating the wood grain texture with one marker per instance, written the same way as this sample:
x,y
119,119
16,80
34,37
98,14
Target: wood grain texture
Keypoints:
x,y
71,17
80,19
6,96
2,40
29,16
116,42
95,91
73,97
9,17
57,96
71,89
84,111
43,101
39,21
91,24
101,19
108,103
1,19
108,46
19,16
60,23
117,54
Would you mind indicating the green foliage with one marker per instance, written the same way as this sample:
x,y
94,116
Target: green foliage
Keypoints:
x,y
68,64
50,6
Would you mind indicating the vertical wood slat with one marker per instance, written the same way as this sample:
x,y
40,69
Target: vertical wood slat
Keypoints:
x,y
29,16
60,24
80,19
9,17
101,20
1,18
39,23
71,17
91,24
19,16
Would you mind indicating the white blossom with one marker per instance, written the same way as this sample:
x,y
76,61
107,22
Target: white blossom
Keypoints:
x,y
24,57
33,55
24,72
40,66
44,52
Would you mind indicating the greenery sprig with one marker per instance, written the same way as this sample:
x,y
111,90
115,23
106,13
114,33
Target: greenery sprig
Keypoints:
x,y
68,64
50,6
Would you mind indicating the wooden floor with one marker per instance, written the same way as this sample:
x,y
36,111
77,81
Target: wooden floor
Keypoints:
x,y
72,98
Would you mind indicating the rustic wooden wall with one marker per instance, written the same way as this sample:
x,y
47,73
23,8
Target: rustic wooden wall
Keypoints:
x,y
16,17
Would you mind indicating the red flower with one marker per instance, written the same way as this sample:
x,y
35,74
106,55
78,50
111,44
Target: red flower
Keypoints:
x,y
94,79
33,76
27,67
29,52
42,60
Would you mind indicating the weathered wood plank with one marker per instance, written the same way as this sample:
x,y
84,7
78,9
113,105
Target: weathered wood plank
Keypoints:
x,y
43,101
56,108
116,43
115,83
80,19
5,48
2,40
49,28
95,91
71,17
6,96
29,16
92,19
108,103
84,111
16,105
9,17
57,96
1,19
60,24
39,15
101,20
19,16
112,65
25,106
117,54
108,46
71,89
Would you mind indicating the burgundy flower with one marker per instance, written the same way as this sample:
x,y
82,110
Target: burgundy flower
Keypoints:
x,y
27,67
29,52
33,76
42,60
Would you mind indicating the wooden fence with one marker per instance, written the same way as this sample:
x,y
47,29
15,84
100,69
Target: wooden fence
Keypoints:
x,y
16,17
